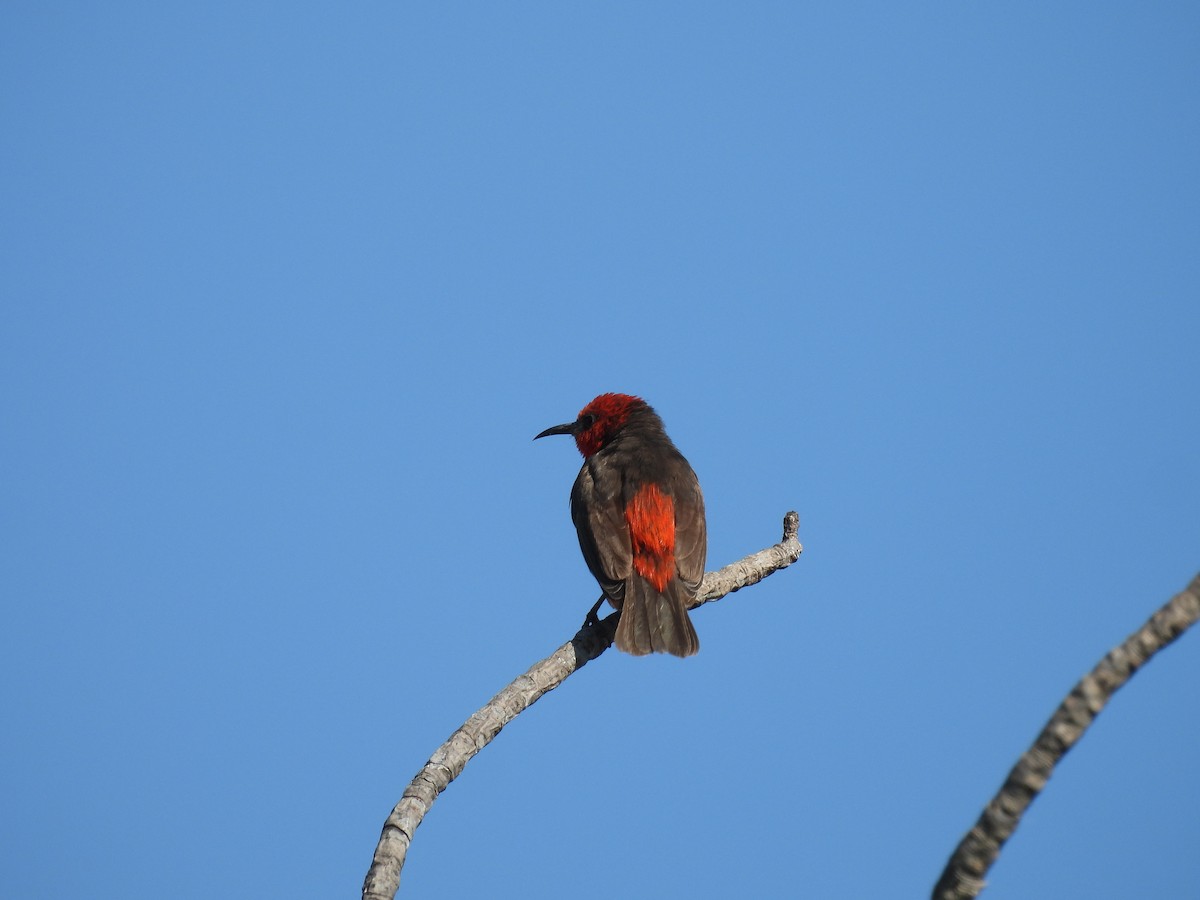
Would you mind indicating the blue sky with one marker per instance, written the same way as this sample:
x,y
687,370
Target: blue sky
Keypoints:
x,y
289,288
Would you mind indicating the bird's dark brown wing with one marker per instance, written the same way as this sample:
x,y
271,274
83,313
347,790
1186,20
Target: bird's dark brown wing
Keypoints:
x,y
597,511
691,535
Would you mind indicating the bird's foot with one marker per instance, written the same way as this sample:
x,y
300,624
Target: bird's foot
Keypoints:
x,y
592,619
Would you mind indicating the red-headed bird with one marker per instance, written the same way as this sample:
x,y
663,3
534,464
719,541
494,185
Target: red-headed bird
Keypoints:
x,y
639,513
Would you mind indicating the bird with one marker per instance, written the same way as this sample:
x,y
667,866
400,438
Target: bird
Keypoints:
x,y
639,513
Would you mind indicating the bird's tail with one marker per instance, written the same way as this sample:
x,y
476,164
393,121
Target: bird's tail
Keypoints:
x,y
653,622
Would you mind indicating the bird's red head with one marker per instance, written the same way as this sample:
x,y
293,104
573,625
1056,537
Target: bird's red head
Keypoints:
x,y
599,421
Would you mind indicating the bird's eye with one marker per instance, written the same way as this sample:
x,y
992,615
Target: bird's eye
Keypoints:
x,y
587,421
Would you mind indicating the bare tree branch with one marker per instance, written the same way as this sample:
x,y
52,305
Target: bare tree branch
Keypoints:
x,y
963,877
448,761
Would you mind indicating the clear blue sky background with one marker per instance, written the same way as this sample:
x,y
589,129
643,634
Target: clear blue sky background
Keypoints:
x,y
288,289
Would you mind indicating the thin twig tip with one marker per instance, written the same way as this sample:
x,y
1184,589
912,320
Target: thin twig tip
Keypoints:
x,y
791,525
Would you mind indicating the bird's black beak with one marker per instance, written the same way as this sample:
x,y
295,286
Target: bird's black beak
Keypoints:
x,y
567,428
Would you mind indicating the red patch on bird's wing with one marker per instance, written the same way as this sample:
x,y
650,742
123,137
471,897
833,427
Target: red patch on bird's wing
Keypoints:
x,y
651,519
